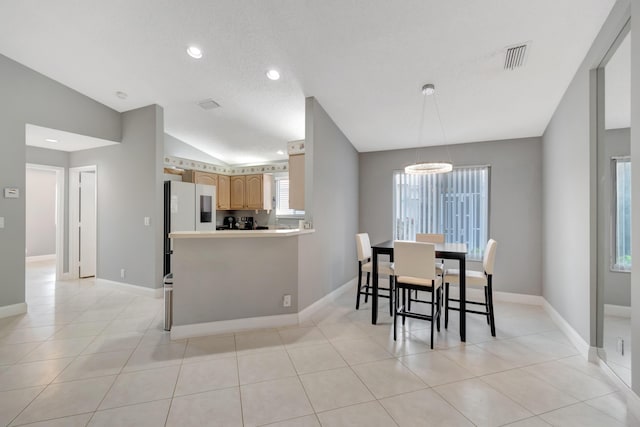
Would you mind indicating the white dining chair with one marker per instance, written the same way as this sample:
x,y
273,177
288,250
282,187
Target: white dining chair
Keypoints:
x,y
428,238
474,279
365,265
432,238
415,269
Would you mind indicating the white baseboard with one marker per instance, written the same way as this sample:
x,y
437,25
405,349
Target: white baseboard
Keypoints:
x,y
478,294
617,310
13,309
307,313
37,258
179,332
633,401
134,289
519,298
67,276
576,339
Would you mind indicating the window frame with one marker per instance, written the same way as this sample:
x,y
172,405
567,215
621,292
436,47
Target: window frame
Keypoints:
x,y
487,167
613,247
295,214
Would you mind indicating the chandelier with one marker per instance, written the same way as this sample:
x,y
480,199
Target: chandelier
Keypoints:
x,y
424,168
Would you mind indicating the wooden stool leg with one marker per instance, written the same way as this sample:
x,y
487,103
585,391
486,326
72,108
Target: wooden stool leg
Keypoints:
x,y
446,305
404,305
395,316
359,288
366,296
486,302
390,295
433,306
438,295
493,320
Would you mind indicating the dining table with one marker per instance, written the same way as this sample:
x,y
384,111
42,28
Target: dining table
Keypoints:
x,y
453,251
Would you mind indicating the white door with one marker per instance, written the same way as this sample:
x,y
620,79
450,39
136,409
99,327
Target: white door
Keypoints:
x,y
87,224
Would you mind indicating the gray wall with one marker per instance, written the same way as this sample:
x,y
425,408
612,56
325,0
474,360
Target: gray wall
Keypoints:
x,y
44,156
129,183
617,285
40,219
515,202
177,148
635,177
214,283
570,190
30,97
327,258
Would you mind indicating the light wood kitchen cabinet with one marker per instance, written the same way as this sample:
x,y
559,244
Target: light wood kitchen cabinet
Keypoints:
x,y
199,177
224,192
296,182
237,188
254,192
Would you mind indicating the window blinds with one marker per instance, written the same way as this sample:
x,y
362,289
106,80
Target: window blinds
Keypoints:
x,y
455,204
623,214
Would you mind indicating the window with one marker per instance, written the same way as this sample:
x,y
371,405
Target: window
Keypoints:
x,y
621,246
455,204
282,199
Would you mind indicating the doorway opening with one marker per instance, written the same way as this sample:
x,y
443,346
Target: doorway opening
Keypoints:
x,y
45,213
83,221
613,313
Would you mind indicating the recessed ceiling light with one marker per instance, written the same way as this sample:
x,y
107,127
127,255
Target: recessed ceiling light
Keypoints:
x,y
280,152
194,52
273,74
121,95
50,140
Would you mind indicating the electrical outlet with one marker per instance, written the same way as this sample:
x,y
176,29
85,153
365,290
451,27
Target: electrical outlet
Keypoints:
x,y
286,301
122,273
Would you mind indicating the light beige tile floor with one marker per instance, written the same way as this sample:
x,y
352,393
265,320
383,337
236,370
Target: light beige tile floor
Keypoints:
x,y
90,355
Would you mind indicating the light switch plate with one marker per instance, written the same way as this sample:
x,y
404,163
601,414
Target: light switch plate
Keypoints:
x,y
147,221
1,222
11,193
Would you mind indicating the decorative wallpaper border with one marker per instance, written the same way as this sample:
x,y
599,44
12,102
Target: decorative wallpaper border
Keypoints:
x,y
224,170
295,147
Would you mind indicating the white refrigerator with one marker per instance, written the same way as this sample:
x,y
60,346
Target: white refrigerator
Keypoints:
x,y
187,207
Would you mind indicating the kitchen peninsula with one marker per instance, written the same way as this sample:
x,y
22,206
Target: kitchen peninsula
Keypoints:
x,y
231,280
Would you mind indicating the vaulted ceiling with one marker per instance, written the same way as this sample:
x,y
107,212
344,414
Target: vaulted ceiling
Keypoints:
x,y
364,60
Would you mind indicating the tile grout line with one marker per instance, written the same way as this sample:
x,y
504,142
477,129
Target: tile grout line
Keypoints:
x,y
175,385
235,347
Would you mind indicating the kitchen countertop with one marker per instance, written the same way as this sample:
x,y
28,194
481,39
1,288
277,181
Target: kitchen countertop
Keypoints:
x,y
218,234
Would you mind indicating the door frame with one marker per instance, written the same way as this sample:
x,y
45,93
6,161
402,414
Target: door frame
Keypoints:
x,y
74,208
60,195
599,204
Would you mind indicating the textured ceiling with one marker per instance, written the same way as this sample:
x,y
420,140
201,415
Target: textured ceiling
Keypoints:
x,y
364,60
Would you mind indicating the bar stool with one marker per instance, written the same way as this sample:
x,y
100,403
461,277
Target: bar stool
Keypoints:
x,y
475,279
428,238
363,246
415,268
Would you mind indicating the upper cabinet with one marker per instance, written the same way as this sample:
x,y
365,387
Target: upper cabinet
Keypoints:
x,y
253,192
296,182
224,192
238,192
200,177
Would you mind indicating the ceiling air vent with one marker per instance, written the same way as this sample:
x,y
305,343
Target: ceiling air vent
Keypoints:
x,y
208,104
515,56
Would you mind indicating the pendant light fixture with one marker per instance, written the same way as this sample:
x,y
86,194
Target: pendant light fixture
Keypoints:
x,y
424,168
